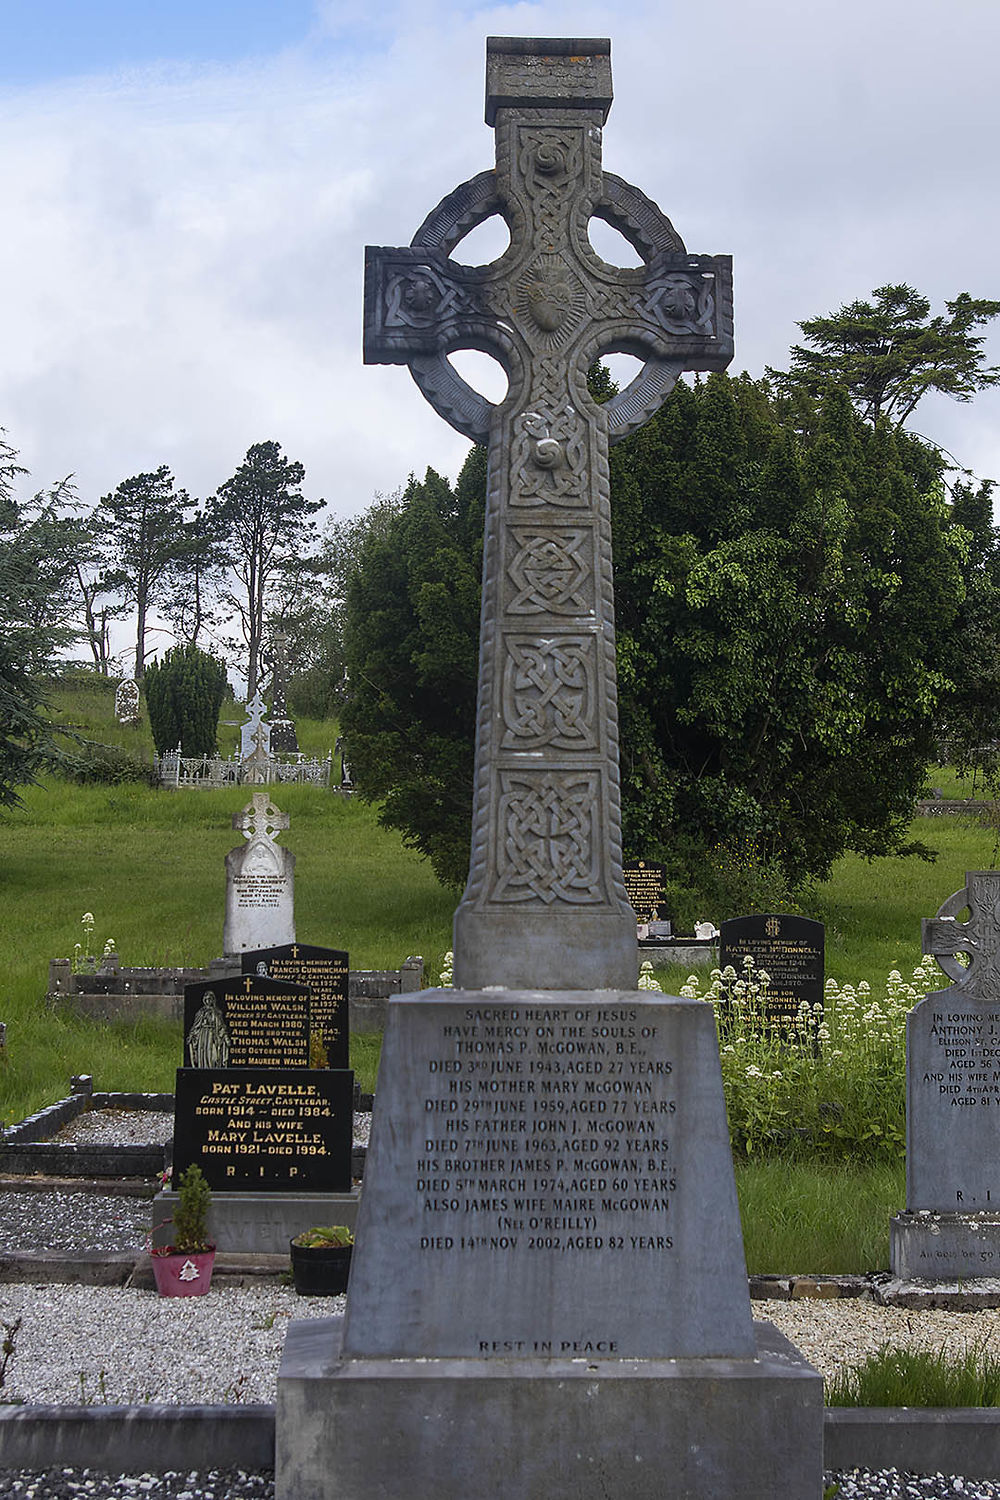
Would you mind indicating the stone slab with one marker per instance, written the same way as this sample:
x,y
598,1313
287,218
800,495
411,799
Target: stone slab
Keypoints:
x,y
954,1440
536,1158
934,1246
260,896
953,1105
567,1429
262,1223
325,972
277,1129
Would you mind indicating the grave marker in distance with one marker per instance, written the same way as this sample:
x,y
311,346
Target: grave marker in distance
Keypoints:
x,y
325,972
791,950
951,1227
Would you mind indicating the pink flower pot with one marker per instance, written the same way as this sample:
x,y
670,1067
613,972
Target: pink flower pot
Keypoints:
x,y
183,1275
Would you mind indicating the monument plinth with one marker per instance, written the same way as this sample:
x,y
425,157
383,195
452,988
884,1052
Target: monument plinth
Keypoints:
x,y
548,1294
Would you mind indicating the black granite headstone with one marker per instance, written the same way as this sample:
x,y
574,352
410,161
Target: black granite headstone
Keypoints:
x,y
325,972
269,1129
644,888
791,951
246,1021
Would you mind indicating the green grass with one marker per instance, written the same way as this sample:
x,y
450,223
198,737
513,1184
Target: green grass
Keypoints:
x,y
895,1376
799,1218
149,865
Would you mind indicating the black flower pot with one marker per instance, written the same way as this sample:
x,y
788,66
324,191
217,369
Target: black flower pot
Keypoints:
x,y
321,1270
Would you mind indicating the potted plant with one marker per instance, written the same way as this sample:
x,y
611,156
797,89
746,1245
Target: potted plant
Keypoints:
x,y
184,1268
321,1260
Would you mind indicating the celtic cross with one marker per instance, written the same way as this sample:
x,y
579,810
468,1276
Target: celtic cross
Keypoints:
x,y
979,938
260,818
545,905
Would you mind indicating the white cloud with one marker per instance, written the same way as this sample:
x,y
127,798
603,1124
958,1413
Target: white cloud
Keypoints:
x,y
183,248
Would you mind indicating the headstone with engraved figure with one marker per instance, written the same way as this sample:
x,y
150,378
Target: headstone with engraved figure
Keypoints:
x,y
951,1227
250,1109
260,881
547,1139
791,951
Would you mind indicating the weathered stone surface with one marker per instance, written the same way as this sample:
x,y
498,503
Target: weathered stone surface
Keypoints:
x,y
348,1429
952,1224
536,1159
545,905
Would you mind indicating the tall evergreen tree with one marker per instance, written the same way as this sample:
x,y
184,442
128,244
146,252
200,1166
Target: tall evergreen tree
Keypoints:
x,y
184,693
142,525
265,518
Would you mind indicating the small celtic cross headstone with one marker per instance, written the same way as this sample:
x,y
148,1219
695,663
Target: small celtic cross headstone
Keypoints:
x,y
545,905
260,818
979,938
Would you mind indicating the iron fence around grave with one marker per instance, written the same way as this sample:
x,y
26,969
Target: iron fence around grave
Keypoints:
x,y
177,770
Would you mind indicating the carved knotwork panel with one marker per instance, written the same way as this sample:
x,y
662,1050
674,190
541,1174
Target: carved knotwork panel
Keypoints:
x,y
549,838
548,695
549,446
550,570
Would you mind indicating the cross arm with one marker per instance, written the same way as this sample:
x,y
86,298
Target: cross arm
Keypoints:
x,y
678,308
418,302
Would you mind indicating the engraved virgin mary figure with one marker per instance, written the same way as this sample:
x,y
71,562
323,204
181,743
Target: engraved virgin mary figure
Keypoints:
x,y
208,1039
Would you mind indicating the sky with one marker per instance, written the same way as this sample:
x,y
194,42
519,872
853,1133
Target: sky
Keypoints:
x,y
188,188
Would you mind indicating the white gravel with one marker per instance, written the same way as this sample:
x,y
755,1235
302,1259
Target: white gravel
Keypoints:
x,y
841,1332
119,1346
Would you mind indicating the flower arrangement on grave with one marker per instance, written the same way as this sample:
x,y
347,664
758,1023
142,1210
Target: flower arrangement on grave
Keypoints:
x,y
324,1234
321,1260
184,1268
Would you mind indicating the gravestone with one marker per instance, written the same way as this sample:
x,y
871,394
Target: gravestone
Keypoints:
x,y
548,1294
284,740
272,1134
127,701
951,1227
644,888
260,881
255,734
791,950
246,1021
325,972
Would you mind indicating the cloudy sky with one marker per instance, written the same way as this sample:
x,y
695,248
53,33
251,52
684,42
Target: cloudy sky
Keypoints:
x,y
188,187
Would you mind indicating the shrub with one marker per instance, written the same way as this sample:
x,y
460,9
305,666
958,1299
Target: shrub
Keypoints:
x,y
184,693
835,1085
102,765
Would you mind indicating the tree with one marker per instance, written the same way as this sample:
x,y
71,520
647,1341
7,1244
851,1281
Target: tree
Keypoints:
x,y
411,644
196,577
33,628
888,353
142,524
786,588
266,520
184,693
316,629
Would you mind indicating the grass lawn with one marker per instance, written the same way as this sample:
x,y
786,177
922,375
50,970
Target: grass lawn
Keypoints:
x,y
149,865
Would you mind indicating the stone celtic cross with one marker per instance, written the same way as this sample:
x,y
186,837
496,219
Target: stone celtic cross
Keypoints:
x,y
979,938
545,906
260,818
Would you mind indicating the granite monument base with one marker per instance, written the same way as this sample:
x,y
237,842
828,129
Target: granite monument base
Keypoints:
x,y
568,1429
944,1246
261,1223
